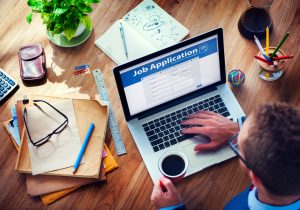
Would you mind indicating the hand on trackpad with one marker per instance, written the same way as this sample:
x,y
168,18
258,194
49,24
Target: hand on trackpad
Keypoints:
x,y
200,139
218,128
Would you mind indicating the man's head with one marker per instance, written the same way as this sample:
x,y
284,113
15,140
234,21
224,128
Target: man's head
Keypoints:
x,y
270,144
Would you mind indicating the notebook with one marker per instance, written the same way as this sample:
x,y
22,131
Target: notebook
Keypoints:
x,y
40,185
147,28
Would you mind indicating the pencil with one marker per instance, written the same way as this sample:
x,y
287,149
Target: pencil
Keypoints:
x,y
282,57
267,40
279,45
261,49
263,60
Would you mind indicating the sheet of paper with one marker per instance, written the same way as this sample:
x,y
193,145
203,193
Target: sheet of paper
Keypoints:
x,y
62,149
155,24
111,43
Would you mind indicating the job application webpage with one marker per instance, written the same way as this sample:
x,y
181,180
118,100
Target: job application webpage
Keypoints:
x,y
171,75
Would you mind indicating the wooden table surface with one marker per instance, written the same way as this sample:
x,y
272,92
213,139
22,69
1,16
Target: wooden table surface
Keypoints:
x,y
130,186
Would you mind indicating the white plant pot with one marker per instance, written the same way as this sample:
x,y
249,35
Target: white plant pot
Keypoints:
x,y
79,30
62,41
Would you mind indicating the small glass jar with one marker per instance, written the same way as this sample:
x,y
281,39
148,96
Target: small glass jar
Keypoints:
x,y
271,72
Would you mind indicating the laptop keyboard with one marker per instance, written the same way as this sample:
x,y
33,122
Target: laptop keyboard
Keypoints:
x,y
165,131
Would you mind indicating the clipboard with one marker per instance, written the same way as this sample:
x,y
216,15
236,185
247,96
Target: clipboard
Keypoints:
x,y
85,111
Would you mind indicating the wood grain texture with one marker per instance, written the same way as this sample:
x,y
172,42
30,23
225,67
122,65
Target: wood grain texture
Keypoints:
x,y
130,186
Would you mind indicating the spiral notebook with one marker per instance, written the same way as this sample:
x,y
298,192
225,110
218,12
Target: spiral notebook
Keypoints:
x,y
146,29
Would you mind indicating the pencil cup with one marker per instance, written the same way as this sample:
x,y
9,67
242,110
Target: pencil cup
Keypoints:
x,y
274,71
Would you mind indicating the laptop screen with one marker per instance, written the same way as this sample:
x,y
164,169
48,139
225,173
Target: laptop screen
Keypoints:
x,y
171,75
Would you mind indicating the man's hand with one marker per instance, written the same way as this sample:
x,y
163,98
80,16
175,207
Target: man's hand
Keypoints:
x,y
218,128
165,194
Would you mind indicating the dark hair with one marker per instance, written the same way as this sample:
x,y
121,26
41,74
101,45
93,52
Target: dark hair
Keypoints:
x,y
272,148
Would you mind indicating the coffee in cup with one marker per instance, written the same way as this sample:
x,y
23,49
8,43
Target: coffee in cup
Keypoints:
x,y
173,165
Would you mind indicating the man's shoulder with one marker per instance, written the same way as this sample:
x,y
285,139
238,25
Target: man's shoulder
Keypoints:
x,y
239,202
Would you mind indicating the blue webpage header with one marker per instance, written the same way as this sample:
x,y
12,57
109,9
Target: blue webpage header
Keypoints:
x,y
201,50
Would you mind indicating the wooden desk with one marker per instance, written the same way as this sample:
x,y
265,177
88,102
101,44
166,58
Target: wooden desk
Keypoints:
x,y
130,186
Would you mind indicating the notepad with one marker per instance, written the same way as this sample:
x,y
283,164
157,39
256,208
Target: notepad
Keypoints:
x,y
147,28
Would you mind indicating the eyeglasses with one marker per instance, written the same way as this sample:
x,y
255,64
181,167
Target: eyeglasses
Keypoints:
x,y
235,148
233,142
58,130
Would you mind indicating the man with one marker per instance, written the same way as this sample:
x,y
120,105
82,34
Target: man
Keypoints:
x,y
269,150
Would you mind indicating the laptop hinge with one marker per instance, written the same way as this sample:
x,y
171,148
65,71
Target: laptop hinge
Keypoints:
x,y
175,102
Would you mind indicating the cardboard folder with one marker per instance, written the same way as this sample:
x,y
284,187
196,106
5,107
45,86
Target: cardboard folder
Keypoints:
x,y
41,184
86,111
52,188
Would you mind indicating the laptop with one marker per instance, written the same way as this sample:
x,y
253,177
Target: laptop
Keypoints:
x,y
159,90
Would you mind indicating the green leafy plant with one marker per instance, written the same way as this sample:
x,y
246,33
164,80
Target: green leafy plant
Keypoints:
x,y
62,15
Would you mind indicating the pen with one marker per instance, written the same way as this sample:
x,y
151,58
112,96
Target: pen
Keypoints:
x,y
261,49
83,147
84,66
263,60
80,71
279,45
162,186
123,40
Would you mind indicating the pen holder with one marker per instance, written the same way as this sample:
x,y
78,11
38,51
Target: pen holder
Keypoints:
x,y
271,72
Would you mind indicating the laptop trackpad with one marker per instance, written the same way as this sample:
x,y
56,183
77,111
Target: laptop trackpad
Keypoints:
x,y
201,160
200,139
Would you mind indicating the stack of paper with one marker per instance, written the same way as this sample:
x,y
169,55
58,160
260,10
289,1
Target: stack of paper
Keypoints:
x,y
86,112
53,187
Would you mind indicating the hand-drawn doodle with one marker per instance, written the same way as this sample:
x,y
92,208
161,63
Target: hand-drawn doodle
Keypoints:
x,y
154,22
149,7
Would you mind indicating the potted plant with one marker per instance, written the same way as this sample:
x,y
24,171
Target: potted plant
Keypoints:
x,y
67,17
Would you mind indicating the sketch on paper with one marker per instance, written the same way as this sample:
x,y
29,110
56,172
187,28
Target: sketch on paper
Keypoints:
x,y
155,24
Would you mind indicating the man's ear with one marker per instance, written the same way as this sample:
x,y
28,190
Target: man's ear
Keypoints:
x,y
255,180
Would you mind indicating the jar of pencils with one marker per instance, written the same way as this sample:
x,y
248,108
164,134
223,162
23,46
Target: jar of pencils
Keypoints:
x,y
271,71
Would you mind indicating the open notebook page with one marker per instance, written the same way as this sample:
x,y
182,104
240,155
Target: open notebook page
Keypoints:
x,y
112,44
155,25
